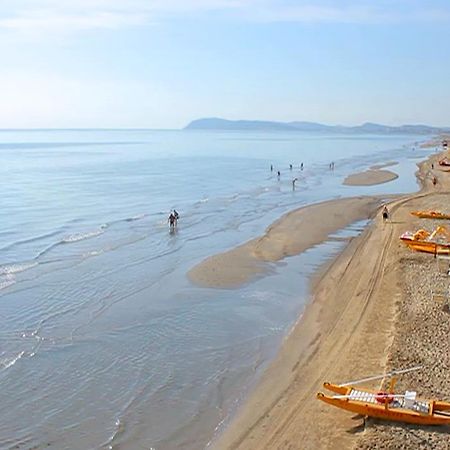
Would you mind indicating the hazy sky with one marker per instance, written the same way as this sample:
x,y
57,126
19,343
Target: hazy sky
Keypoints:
x,y
161,63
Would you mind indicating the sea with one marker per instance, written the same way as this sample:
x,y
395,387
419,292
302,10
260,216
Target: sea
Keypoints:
x,y
104,341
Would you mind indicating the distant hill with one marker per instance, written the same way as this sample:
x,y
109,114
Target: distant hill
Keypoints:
x,y
261,125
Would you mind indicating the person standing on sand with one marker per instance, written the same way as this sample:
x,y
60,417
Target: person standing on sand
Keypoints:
x,y
434,181
385,213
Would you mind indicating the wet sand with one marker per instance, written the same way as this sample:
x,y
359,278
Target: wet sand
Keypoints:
x,y
371,311
294,233
370,178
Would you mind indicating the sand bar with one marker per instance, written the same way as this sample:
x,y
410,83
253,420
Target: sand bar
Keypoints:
x,y
370,177
294,233
368,314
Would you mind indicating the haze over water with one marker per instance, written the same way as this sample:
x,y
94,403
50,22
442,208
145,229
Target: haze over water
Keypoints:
x,y
104,341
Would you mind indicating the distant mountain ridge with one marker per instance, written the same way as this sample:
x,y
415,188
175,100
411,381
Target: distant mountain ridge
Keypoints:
x,y
214,123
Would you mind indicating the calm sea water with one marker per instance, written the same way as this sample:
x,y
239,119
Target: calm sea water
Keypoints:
x,y
104,342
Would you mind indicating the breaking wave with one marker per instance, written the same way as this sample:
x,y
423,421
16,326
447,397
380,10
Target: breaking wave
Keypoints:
x,y
11,269
76,237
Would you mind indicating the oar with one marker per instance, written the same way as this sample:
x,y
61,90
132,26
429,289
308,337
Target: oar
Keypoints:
x,y
378,377
381,396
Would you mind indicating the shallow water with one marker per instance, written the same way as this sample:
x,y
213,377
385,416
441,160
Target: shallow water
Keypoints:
x,y
104,342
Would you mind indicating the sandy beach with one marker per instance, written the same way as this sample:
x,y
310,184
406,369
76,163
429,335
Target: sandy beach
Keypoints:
x,y
370,177
372,310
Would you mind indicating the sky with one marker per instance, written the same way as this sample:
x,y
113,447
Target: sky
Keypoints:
x,y
163,63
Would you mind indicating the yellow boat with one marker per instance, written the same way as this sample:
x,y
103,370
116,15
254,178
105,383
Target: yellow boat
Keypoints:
x,y
430,215
424,241
383,405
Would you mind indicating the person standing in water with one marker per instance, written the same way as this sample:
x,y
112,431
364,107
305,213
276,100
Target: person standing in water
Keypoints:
x,y
278,174
301,166
271,168
293,183
172,221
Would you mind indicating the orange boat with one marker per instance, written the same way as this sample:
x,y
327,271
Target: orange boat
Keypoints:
x,y
430,215
382,405
423,241
387,405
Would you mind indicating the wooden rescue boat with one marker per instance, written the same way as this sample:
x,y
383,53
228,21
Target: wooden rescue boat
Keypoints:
x,y
430,215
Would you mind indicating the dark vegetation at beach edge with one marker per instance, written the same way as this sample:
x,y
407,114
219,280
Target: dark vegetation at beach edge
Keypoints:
x,y
261,125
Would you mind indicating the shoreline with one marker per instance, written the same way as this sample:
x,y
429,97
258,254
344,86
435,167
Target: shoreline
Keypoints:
x,y
349,294
292,234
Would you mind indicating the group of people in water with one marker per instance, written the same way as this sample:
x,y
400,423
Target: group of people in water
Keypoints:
x,y
294,180
290,168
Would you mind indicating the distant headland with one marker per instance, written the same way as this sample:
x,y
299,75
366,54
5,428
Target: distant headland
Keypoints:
x,y
261,125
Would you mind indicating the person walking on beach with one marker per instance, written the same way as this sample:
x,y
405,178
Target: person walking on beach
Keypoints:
x,y
385,214
434,181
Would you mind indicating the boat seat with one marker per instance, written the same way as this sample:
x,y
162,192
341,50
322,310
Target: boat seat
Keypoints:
x,y
410,402
362,396
410,399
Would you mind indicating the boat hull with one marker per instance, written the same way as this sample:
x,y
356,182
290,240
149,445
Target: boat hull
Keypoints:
x,y
430,215
381,412
373,404
427,247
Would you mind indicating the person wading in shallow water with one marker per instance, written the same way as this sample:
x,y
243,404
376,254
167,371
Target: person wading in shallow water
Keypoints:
x,y
385,214
172,220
